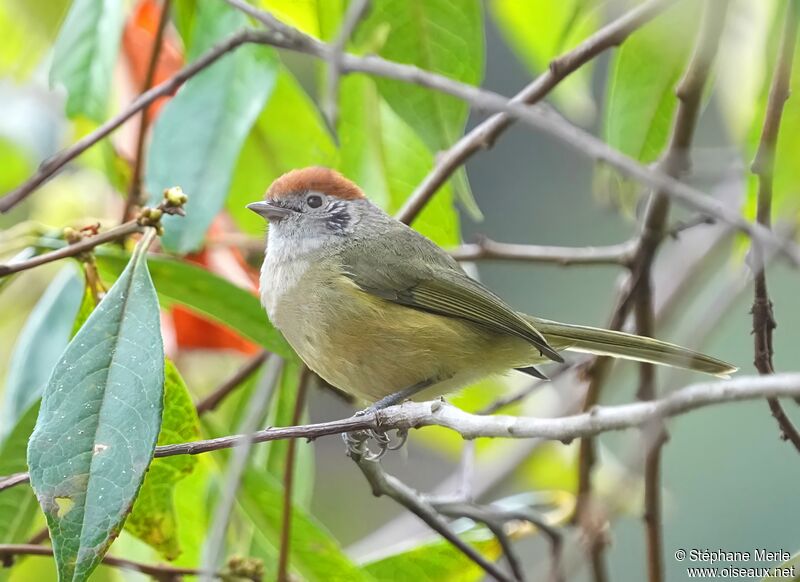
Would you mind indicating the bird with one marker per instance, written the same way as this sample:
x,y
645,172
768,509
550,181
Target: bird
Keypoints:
x,y
384,314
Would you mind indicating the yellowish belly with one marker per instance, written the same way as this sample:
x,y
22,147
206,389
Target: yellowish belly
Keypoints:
x,y
370,347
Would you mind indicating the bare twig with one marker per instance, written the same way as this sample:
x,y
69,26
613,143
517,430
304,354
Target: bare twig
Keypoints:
x,y
355,12
485,134
214,399
157,571
487,249
385,484
135,190
288,481
600,419
53,165
763,166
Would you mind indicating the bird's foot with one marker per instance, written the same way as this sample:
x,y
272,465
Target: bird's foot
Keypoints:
x,y
359,442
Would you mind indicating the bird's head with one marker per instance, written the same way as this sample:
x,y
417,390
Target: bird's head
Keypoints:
x,y
312,206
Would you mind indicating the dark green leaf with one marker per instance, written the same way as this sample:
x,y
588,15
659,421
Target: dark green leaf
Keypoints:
x,y
85,54
315,554
273,148
198,136
185,284
153,519
40,344
382,154
443,36
18,504
436,561
539,31
99,421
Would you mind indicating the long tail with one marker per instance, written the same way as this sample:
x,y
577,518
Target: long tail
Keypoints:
x,y
603,342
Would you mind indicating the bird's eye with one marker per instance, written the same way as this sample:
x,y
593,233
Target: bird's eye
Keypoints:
x,y
314,201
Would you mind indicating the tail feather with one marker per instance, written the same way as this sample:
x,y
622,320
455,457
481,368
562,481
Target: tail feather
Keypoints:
x,y
604,342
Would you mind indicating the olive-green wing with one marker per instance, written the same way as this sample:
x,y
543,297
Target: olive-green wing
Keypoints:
x,y
439,287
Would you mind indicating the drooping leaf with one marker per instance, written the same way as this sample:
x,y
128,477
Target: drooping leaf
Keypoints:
x,y
40,344
185,284
314,553
273,147
436,561
539,31
99,421
443,36
199,134
641,93
18,504
153,519
85,53
383,155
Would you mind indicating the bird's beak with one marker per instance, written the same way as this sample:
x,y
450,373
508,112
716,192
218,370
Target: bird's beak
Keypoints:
x,y
269,211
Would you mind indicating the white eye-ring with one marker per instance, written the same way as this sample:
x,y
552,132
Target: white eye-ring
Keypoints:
x,y
314,200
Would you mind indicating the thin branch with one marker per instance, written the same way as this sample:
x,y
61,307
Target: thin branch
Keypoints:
x,y
384,484
356,11
288,481
214,399
487,249
484,135
763,166
135,190
72,250
157,571
600,419
53,165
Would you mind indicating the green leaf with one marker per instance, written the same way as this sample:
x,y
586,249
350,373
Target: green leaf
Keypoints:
x,y
153,519
437,561
382,154
185,284
314,553
99,421
641,95
273,148
16,162
539,31
443,36
18,504
40,344
198,136
85,54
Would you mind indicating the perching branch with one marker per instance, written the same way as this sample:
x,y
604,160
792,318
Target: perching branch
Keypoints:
x,y
763,166
484,135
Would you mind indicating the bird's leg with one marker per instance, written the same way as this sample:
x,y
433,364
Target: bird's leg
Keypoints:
x,y
355,440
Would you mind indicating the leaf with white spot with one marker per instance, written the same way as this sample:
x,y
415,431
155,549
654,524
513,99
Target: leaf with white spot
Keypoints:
x,y
98,423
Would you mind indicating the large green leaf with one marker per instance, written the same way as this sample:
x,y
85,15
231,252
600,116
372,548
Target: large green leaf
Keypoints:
x,y
185,284
198,136
314,553
17,505
540,30
641,92
388,160
99,421
40,344
436,561
443,36
273,147
154,519
85,54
